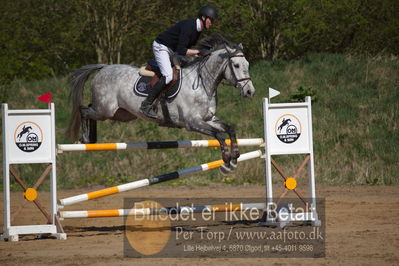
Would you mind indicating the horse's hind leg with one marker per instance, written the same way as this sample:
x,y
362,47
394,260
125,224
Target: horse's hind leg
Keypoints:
x,y
89,125
85,131
92,131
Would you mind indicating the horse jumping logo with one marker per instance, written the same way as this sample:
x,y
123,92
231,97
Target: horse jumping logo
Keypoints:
x,y
28,136
288,128
25,130
284,123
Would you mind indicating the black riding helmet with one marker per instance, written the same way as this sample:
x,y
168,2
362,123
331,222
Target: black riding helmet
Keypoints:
x,y
208,12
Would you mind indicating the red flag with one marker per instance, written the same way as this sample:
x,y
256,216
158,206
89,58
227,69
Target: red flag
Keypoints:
x,y
45,98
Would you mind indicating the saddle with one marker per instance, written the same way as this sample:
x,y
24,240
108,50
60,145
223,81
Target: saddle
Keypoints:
x,y
150,74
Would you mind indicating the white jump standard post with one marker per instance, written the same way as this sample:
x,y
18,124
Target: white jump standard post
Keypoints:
x,y
29,138
288,130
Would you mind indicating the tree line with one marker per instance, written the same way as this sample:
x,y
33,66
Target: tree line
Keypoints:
x,y
40,38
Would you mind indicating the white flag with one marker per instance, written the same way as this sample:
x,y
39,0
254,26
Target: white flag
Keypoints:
x,y
273,93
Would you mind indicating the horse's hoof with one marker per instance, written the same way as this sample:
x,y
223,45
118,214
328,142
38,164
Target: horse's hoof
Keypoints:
x,y
236,154
233,165
225,170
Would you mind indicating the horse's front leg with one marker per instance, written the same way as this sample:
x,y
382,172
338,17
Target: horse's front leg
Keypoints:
x,y
225,169
234,151
207,128
217,129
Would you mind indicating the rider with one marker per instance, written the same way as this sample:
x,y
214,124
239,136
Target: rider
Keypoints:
x,y
176,39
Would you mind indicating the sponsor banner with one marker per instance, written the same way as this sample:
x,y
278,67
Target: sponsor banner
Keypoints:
x,y
29,138
288,130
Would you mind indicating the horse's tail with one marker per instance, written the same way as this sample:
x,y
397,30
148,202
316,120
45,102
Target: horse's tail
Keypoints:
x,y
77,80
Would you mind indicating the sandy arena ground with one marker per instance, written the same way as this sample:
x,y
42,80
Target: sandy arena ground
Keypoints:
x,y
362,228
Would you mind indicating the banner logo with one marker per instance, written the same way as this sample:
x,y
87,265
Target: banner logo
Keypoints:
x,y
28,136
288,128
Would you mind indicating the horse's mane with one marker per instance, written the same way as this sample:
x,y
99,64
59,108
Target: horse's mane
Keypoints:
x,y
206,45
214,42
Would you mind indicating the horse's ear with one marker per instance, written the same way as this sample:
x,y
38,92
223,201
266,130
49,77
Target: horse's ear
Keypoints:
x,y
240,46
230,50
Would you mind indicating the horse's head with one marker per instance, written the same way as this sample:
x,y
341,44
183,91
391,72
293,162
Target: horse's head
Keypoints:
x,y
237,70
225,59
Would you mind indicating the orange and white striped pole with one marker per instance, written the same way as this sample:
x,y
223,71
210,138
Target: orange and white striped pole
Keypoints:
x,y
229,207
155,145
153,180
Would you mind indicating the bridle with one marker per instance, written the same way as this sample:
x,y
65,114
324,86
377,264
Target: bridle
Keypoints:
x,y
229,63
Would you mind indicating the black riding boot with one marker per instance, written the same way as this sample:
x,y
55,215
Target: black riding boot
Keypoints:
x,y
146,106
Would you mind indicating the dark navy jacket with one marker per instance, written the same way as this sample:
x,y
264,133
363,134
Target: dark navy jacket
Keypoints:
x,y
180,36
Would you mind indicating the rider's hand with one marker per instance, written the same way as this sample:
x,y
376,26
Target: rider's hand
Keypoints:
x,y
192,52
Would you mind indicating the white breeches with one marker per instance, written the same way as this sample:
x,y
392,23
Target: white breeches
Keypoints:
x,y
162,55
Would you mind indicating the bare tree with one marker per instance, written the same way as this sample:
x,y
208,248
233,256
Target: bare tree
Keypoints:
x,y
109,23
272,18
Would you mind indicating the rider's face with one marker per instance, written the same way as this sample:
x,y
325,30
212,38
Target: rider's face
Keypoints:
x,y
208,23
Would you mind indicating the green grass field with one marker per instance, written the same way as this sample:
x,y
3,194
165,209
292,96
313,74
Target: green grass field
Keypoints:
x,y
355,126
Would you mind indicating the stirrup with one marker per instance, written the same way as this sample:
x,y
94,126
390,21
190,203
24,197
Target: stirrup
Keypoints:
x,y
148,111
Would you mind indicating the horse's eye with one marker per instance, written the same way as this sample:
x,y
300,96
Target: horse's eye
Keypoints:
x,y
236,65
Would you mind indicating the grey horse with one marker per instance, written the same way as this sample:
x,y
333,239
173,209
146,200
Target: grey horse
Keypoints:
x,y
194,108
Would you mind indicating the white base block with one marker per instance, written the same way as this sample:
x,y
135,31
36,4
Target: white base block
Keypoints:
x,y
12,233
